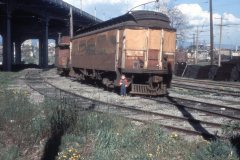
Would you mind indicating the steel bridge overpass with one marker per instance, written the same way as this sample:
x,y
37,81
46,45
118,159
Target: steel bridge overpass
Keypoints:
x,y
36,19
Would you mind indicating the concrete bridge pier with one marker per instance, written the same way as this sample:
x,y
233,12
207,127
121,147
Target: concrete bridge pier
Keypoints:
x,y
43,45
7,40
18,52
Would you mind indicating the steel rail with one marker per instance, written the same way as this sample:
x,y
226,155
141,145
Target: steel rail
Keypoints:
x,y
211,85
205,89
206,103
214,83
192,120
197,109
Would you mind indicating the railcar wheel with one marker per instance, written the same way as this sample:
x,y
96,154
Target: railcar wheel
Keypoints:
x,y
153,87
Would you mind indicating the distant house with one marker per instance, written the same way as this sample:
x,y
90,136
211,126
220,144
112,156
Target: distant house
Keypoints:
x,y
1,52
236,54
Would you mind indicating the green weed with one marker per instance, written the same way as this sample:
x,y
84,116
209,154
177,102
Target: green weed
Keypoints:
x,y
11,153
231,129
217,150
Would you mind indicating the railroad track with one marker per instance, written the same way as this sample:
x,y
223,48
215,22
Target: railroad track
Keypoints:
x,y
206,89
208,82
223,88
187,125
204,107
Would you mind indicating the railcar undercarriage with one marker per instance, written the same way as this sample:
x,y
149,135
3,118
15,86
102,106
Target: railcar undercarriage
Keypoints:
x,y
139,84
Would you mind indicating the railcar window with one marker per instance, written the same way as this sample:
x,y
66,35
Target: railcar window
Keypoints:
x,y
101,44
82,47
63,46
113,40
75,47
111,43
90,49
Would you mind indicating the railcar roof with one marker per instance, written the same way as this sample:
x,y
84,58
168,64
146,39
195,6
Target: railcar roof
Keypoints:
x,y
135,19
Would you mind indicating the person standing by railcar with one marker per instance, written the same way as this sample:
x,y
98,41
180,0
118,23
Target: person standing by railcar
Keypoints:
x,y
123,84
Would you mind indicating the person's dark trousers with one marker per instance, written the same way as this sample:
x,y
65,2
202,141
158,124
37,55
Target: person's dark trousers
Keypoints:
x,y
123,90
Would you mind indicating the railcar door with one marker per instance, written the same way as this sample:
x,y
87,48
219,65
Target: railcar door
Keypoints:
x,y
142,49
134,51
169,48
155,49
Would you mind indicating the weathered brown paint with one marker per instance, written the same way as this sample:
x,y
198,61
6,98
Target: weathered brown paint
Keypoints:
x,y
169,44
145,45
64,40
62,58
136,47
95,51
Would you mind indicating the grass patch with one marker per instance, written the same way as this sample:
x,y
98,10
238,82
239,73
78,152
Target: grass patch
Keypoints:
x,y
107,137
7,78
63,132
11,153
217,150
21,119
92,136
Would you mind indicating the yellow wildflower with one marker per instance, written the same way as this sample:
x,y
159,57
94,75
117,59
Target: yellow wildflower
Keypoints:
x,y
150,155
174,135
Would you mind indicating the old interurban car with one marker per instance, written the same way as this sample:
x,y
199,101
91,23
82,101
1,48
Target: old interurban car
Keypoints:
x,y
140,44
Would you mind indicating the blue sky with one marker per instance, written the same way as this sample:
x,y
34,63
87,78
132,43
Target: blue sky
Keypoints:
x,y
196,11
219,6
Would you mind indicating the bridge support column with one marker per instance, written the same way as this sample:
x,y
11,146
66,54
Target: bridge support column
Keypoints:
x,y
40,52
18,51
43,46
12,51
7,42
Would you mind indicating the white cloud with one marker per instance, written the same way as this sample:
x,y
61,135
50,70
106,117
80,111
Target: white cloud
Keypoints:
x,y
230,18
126,4
197,16
194,13
91,2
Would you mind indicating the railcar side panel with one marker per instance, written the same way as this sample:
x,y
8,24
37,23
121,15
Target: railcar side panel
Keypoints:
x,y
154,50
145,49
169,45
62,57
121,48
169,48
135,48
95,51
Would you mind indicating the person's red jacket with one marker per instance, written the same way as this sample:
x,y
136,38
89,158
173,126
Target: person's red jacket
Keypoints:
x,y
121,82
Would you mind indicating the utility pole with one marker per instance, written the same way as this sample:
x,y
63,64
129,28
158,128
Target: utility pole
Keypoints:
x,y
81,6
59,38
196,51
220,41
71,22
194,48
95,13
194,42
211,32
71,33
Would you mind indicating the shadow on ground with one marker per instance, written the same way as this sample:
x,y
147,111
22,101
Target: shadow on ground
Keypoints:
x,y
235,141
63,119
59,125
195,124
20,67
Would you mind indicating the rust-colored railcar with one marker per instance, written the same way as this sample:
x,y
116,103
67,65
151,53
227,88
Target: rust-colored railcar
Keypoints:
x,y
62,55
140,44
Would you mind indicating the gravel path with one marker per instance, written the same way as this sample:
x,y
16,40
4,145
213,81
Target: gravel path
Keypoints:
x,y
137,102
